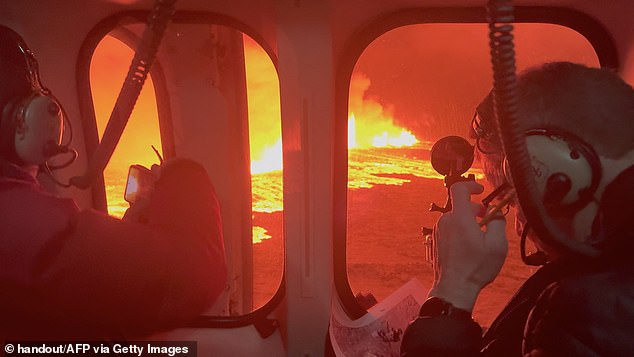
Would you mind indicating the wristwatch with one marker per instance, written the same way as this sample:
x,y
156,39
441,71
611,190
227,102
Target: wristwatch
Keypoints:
x,y
435,306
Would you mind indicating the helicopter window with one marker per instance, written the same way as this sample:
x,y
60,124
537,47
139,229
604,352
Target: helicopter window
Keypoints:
x,y
255,269
109,66
410,87
265,133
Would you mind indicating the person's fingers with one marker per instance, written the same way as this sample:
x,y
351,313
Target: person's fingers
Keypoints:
x,y
478,209
435,252
461,195
136,210
156,171
497,226
495,237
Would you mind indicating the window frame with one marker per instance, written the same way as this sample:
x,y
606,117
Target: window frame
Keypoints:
x,y
258,317
588,27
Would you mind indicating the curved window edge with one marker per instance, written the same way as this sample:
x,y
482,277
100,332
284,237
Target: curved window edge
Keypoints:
x,y
91,136
593,31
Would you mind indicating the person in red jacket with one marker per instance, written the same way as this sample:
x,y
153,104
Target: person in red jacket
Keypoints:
x,y
576,304
72,274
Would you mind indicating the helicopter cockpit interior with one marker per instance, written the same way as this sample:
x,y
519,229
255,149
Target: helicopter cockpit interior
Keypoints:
x,y
314,120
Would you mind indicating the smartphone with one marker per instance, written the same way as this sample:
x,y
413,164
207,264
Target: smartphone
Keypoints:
x,y
140,183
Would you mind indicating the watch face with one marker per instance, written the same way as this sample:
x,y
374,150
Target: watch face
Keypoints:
x,y
433,307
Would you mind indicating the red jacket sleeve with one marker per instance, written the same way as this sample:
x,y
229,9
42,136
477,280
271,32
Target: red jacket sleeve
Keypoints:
x,y
137,278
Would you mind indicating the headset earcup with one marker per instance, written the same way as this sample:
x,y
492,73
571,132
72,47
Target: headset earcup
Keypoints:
x,y
32,119
567,173
7,131
38,129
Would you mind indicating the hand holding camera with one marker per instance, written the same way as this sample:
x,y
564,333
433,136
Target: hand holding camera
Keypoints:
x,y
465,258
139,188
138,191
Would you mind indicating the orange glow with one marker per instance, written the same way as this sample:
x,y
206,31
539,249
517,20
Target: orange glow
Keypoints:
x,y
108,69
264,109
405,138
373,124
370,125
270,159
265,133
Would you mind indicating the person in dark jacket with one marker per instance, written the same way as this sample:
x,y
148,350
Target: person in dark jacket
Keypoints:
x,y
72,274
576,304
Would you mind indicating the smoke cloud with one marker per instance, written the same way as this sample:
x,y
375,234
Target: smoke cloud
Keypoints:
x,y
430,77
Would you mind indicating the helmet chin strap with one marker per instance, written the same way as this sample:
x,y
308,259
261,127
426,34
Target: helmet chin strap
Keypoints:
x,y
534,259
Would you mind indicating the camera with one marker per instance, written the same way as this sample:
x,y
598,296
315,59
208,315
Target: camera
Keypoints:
x,y
139,185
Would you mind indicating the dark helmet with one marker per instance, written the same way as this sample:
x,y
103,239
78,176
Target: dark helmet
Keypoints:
x,y
15,77
32,122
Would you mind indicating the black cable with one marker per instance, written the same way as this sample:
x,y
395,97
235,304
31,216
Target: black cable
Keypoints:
x,y
505,95
63,150
50,174
144,56
70,125
535,259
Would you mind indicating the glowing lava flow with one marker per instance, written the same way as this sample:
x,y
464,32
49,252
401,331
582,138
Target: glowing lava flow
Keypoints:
x,y
371,131
386,135
270,159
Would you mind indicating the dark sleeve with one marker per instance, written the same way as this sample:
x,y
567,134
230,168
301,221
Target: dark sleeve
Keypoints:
x,y
446,336
585,316
136,278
